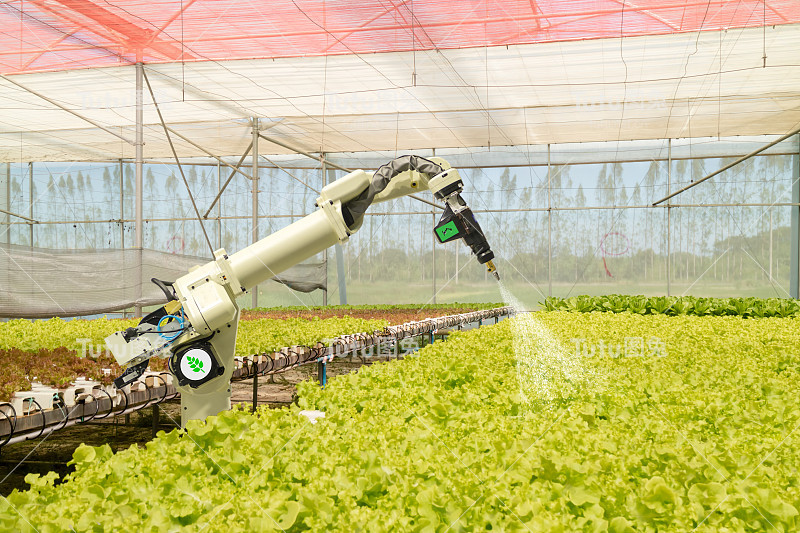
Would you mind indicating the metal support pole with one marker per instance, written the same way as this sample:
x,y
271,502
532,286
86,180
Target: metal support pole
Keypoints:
x,y
155,420
121,205
138,189
222,186
334,165
324,252
549,229
219,207
255,387
7,205
64,108
433,259
794,263
341,275
322,373
730,165
254,155
669,218
30,200
209,153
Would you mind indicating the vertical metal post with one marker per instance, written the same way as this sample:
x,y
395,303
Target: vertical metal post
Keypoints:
x,y
219,207
121,205
138,189
794,263
155,419
325,251
30,200
669,217
433,252
322,373
433,258
340,274
255,386
254,154
7,204
456,247
549,229
770,245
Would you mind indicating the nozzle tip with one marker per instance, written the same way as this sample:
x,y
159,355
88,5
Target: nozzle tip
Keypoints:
x,y
492,270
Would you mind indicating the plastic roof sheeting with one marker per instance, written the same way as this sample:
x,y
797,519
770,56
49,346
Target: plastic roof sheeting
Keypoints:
x,y
42,35
543,86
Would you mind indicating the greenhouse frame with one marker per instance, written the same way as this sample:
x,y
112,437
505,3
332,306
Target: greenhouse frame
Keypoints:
x,y
585,119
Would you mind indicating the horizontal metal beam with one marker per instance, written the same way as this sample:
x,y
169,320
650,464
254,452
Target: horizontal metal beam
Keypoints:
x,y
328,163
125,33
227,181
471,166
387,213
30,220
207,152
300,151
730,165
64,108
424,201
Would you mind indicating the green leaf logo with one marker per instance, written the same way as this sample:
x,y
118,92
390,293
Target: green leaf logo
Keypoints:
x,y
195,363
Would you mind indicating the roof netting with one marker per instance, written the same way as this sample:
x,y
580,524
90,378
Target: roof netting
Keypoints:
x,y
391,75
66,34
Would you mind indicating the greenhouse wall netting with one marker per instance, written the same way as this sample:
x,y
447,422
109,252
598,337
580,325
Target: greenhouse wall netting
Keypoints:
x,y
575,226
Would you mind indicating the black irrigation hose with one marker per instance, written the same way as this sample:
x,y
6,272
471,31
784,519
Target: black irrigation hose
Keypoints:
x,y
44,419
62,407
165,386
281,363
11,422
96,408
149,393
318,351
149,396
125,395
110,407
289,357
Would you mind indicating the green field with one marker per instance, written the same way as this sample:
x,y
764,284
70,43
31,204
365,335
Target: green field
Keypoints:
x,y
698,434
396,292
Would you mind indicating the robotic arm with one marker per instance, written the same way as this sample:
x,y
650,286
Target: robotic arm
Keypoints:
x,y
196,329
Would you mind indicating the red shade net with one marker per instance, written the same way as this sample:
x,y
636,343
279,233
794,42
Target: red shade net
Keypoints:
x,y
43,35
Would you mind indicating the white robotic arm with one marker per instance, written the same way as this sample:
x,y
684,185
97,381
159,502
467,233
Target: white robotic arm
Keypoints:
x,y
196,329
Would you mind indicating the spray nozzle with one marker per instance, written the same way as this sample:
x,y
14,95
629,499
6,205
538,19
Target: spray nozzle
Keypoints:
x,y
492,270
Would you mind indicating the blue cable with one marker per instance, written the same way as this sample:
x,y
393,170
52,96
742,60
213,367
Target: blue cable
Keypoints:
x,y
171,335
